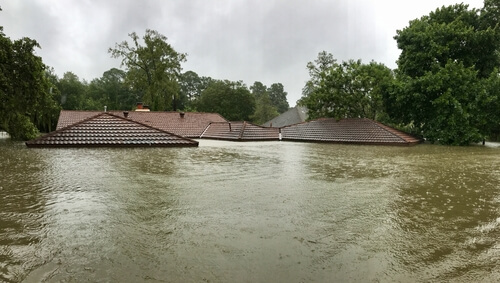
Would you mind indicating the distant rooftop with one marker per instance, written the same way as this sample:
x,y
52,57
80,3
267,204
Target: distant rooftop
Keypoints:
x,y
294,115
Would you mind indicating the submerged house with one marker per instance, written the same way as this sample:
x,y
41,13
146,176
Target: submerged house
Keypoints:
x,y
163,129
110,130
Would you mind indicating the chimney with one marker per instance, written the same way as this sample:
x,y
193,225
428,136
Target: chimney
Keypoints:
x,y
141,107
125,114
182,114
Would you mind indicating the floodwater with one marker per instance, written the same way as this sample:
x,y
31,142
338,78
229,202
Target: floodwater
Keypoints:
x,y
250,212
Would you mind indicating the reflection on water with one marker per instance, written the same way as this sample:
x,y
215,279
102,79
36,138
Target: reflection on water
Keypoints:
x,y
250,212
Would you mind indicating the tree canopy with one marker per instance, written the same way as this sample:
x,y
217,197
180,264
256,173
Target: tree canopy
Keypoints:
x,y
446,70
153,69
232,100
345,90
26,100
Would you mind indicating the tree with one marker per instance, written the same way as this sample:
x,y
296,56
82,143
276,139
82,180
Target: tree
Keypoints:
x,y
73,92
191,87
232,100
258,90
346,90
153,69
447,58
324,62
264,110
277,94
110,90
25,97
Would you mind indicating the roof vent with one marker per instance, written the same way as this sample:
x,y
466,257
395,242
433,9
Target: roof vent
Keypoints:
x,y
182,114
125,114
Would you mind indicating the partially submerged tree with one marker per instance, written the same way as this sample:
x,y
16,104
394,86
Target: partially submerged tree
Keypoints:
x,y
26,100
153,68
445,72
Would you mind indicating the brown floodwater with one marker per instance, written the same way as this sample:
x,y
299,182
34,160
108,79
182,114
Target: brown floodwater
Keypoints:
x,y
250,212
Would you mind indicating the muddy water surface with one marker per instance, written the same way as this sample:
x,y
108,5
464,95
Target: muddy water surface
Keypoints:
x,y
250,212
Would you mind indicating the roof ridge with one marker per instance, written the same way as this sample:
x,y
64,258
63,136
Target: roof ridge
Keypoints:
x,y
145,125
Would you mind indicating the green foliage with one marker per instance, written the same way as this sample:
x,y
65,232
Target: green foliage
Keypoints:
x,y
277,94
324,62
232,100
264,109
21,127
446,75
73,92
26,101
110,90
346,90
153,69
191,88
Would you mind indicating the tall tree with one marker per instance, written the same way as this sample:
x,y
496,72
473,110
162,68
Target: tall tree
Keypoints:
x,y
110,90
277,94
258,89
232,100
264,109
25,97
446,59
191,87
73,92
323,62
345,90
153,68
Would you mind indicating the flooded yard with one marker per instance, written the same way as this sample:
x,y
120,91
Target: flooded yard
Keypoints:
x,y
250,212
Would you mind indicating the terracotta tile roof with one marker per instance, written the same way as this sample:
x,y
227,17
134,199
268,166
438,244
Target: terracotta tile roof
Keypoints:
x,y
240,131
294,115
109,130
214,126
191,124
352,130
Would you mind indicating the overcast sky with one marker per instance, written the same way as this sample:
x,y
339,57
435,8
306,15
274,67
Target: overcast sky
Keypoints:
x,y
250,40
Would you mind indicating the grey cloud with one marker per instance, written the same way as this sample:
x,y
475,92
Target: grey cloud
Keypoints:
x,y
268,41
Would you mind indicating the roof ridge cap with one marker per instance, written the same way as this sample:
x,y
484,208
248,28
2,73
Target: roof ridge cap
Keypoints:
x,y
145,125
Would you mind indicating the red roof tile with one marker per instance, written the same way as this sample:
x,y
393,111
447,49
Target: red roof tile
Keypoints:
x,y
213,126
110,130
353,130
240,131
191,124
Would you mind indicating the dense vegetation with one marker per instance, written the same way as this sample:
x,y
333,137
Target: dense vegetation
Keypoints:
x,y
446,87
